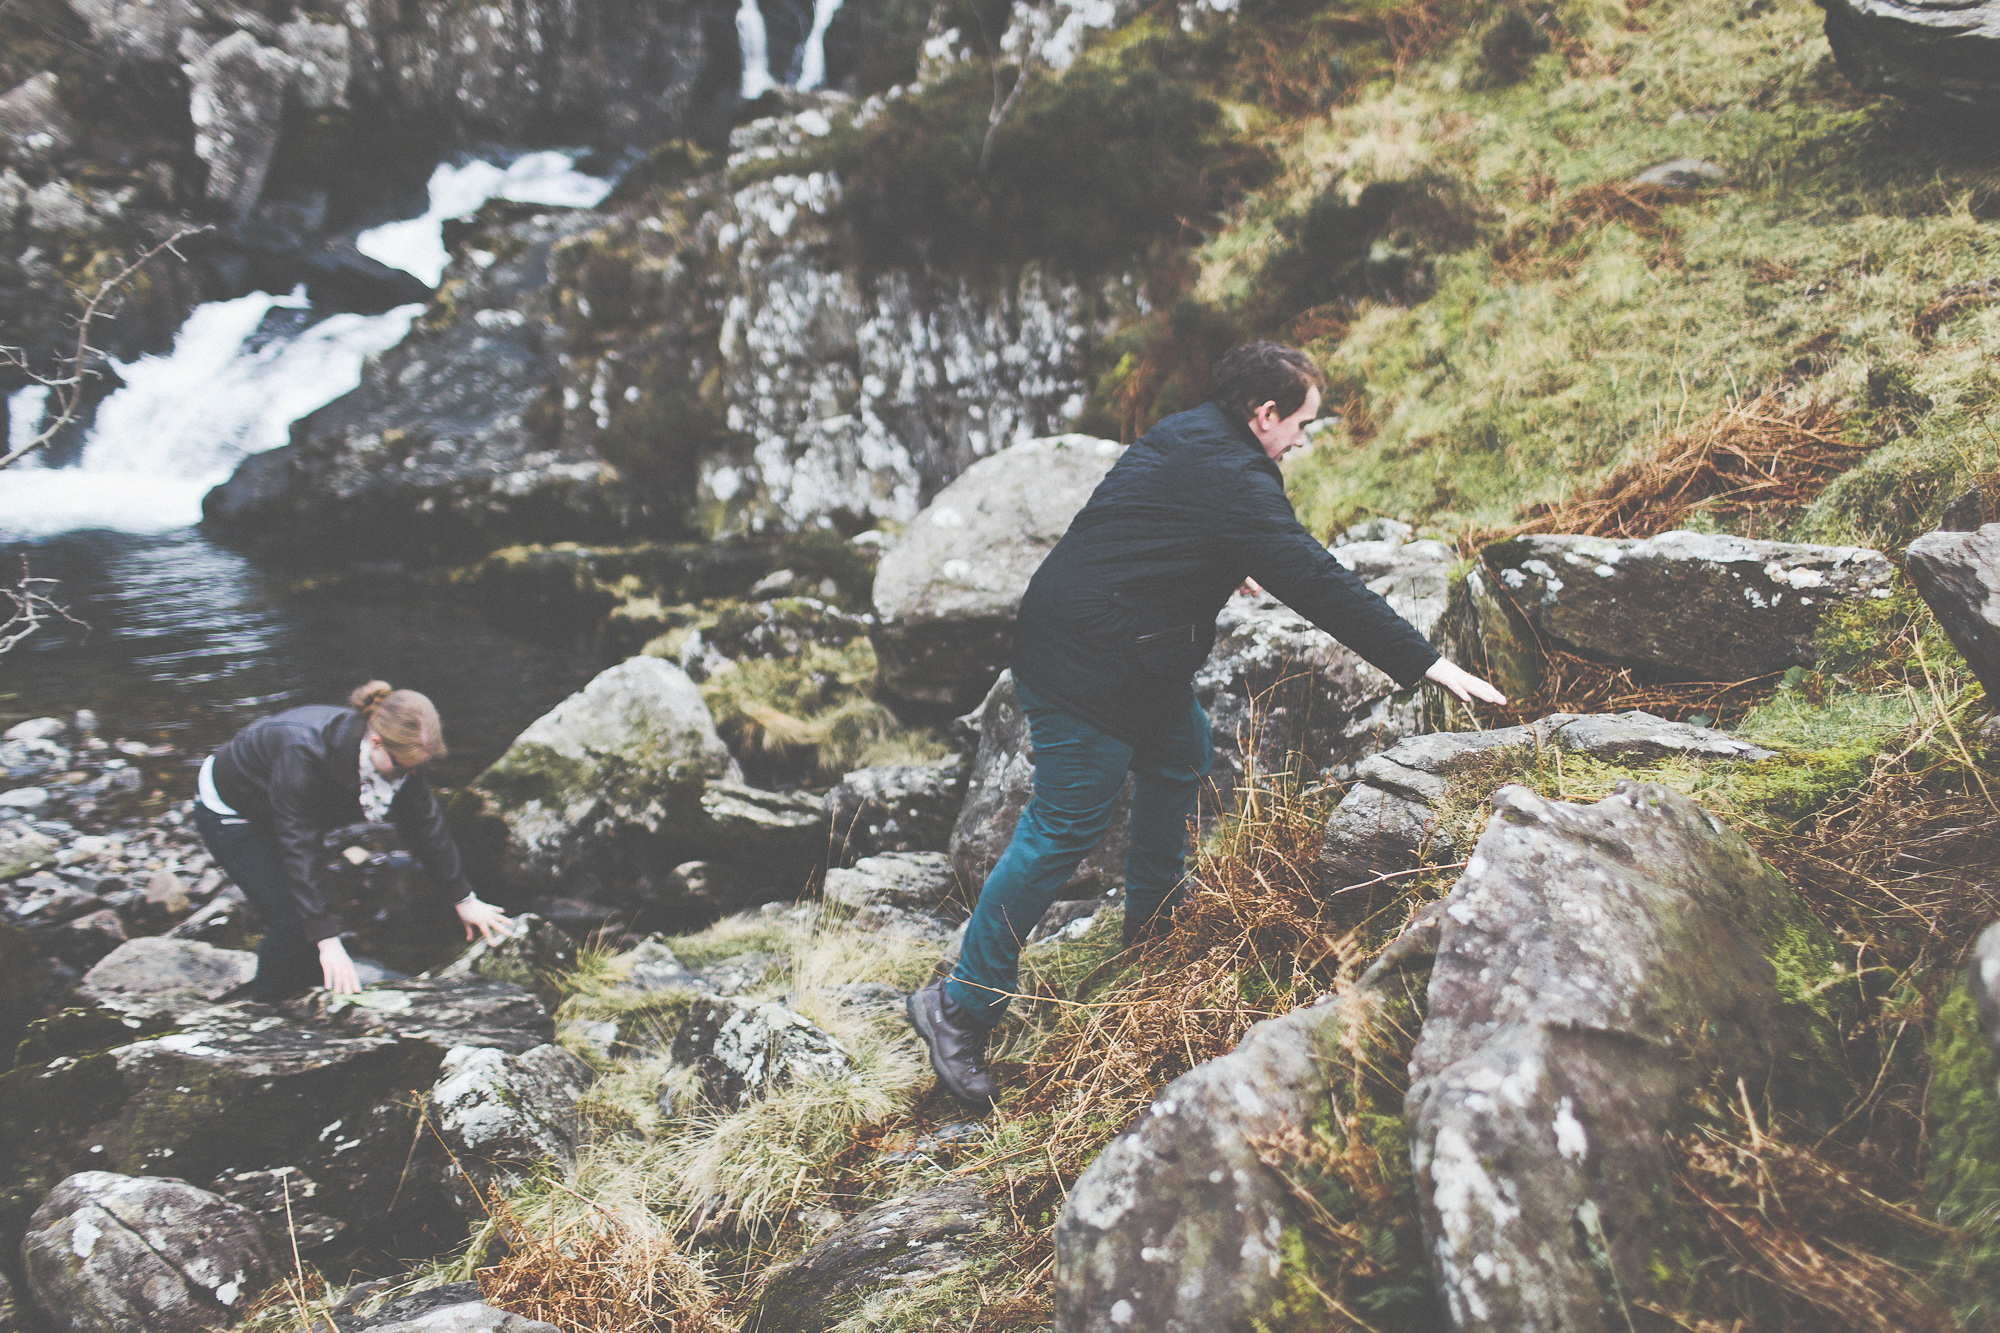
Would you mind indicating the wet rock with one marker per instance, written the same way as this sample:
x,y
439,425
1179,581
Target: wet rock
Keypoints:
x,y
1002,780
283,1202
917,881
593,787
533,956
236,99
906,1243
114,1254
897,807
1691,605
504,1115
743,1049
26,758
1944,59
35,131
1595,964
155,978
1958,574
947,591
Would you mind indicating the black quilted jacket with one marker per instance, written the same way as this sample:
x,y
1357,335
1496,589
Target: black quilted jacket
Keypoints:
x,y
1122,613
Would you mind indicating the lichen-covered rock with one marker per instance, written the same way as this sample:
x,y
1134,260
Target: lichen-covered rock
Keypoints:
x,y
1002,780
1692,605
23,851
611,773
236,99
1945,57
915,881
534,956
453,1308
904,1243
115,1254
1958,574
744,1049
283,1200
504,1115
35,128
1595,964
161,978
947,592
897,808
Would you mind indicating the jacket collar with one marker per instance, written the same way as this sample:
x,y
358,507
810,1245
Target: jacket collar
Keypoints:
x,y
1238,429
346,756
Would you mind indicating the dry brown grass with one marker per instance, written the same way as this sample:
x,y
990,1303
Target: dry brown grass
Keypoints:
x,y
1544,246
590,1271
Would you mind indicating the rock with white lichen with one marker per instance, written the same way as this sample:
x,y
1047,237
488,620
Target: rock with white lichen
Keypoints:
x,y
502,1116
743,1049
947,592
1958,574
1684,605
896,808
117,1254
1595,966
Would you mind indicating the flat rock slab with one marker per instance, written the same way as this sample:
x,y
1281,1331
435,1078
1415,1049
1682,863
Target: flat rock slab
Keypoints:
x,y
1697,606
1594,965
916,881
117,1254
947,592
1958,573
444,1012
155,978
904,1243
1945,56
456,1308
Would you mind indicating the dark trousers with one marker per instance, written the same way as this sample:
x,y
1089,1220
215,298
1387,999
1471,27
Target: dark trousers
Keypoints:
x,y
287,962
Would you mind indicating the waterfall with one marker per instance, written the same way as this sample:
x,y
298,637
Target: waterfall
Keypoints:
x,y
812,72
750,36
241,372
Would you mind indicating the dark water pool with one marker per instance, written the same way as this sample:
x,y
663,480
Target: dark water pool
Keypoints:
x,y
188,641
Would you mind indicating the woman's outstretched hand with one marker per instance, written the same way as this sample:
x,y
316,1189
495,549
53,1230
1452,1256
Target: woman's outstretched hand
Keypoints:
x,y
484,918
336,968
1463,683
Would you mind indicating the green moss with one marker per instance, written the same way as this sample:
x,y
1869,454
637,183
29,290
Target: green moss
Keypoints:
x,y
1962,1175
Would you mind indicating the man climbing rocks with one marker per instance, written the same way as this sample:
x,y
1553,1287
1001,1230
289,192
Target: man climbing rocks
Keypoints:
x,y
1111,631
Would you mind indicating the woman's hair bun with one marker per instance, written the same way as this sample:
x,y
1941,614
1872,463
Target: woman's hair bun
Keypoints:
x,y
365,697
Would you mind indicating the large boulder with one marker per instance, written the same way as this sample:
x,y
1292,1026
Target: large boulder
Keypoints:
x,y
1945,57
117,1254
156,978
896,808
1689,605
905,1244
1595,965
742,1050
236,99
35,128
1958,574
1003,778
503,1116
948,590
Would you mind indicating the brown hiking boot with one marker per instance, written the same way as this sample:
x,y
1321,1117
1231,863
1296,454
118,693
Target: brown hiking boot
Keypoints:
x,y
957,1046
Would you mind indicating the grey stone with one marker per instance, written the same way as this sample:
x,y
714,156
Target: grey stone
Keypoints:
x,y
744,1049
1982,978
906,1243
236,99
1595,964
30,757
1639,737
25,798
1683,173
651,966
36,130
24,851
10,1309
779,834
920,881
443,1012
455,1308
164,978
535,955
738,972
897,808
227,921
503,1116
1944,57
1691,605
1002,781
283,1200
947,592
117,1254
322,62
35,728
1958,574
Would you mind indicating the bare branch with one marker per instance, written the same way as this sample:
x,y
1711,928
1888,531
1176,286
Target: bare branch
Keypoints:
x,y
30,607
1002,105
68,388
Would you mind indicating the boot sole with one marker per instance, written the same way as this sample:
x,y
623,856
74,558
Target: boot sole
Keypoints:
x,y
914,1009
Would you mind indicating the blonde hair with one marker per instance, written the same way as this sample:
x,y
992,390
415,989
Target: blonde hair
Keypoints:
x,y
406,722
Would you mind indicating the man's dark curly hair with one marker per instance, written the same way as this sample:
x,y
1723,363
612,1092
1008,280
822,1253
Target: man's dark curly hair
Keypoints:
x,y
1263,372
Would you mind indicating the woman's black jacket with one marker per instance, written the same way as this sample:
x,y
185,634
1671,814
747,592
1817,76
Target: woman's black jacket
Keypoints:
x,y
1122,613
299,775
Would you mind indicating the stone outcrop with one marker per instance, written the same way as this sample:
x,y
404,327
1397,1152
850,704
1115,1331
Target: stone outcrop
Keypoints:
x,y
453,1308
1396,815
236,99
905,1243
947,591
915,894
1003,778
896,808
741,1050
115,1254
1595,964
1958,574
1944,57
156,978
1689,605
505,1115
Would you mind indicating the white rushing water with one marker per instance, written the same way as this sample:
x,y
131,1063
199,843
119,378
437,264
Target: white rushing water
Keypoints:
x,y
183,420
754,40
812,70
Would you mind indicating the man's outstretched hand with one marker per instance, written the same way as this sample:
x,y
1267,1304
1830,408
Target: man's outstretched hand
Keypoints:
x,y
1463,683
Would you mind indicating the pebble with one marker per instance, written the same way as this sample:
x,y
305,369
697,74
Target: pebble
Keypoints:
x,y
24,798
35,729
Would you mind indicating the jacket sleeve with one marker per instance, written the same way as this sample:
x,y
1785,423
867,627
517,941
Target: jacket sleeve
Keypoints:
x,y
1260,528
417,817
299,840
